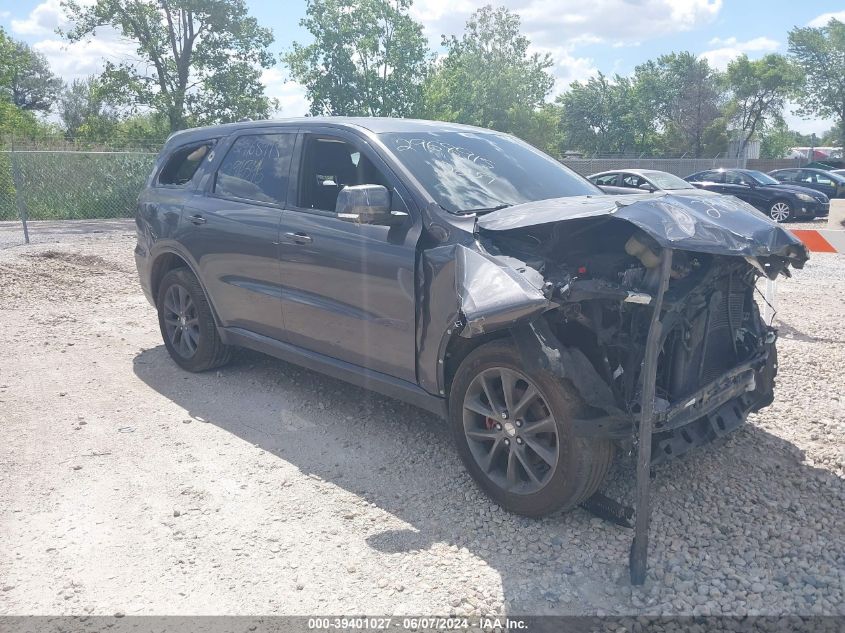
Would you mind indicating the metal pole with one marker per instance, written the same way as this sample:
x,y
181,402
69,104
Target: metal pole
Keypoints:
x,y
769,308
638,561
16,179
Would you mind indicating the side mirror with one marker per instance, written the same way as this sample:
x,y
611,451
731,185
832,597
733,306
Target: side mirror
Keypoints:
x,y
366,204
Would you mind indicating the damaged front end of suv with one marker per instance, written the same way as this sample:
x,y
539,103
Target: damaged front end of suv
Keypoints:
x,y
576,281
644,305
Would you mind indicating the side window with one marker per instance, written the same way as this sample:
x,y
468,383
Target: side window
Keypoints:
x,y
607,179
256,168
707,176
183,163
784,176
632,180
821,179
736,178
330,164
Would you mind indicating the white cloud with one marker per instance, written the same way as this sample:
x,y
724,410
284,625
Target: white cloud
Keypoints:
x,y
559,27
550,22
824,18
291,95
79,59
730,48
44,19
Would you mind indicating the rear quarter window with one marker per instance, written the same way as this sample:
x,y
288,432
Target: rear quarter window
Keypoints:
x,y
183,163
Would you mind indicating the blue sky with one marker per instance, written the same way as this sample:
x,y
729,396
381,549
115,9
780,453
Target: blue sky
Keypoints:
x,y
582,37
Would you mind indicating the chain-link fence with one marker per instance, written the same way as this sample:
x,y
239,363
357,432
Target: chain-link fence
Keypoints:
x,y
64,180
71,185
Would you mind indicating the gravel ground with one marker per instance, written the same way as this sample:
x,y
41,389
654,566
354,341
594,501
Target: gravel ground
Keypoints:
x,y
131,486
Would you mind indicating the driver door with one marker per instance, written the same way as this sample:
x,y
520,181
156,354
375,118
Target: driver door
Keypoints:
x,y
348,290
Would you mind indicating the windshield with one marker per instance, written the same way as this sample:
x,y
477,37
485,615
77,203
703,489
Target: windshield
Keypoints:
x,y
477,171
663,180
763,179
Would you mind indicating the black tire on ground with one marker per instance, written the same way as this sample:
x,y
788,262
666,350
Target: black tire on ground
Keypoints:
x,y
781,210
187,323
581,464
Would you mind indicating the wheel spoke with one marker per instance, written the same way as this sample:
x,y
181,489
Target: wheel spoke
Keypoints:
x,y
491,456
526,399
546,453
508,380
191,338
482,435
475,405
512,474
488,391
545,425
523,459
183,299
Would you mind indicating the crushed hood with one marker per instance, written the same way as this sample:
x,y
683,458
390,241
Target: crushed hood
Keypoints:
x,y
718,225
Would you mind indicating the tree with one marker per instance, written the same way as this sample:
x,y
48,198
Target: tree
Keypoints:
x,y
776,139
820,53
198,61
759,90
83,111
26,79
689,102
368,57
487,77
593,118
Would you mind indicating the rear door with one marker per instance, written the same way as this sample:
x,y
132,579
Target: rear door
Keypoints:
x,y
818,181
232,229
348,289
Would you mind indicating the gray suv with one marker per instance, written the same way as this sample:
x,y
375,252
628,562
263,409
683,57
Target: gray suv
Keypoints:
x,y
465,272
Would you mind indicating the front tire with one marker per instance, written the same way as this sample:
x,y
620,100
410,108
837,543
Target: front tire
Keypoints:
x,y
187,323
512,429
780,211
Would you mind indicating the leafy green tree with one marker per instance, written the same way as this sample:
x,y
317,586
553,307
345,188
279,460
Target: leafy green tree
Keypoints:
x,y
25,78
759,90
84,112
487,77
689,100
776,139
200,60
541,128
590,119
368,57
820,53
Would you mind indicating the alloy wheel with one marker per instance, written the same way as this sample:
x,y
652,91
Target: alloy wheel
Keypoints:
x,y
181,322
510,430
779,212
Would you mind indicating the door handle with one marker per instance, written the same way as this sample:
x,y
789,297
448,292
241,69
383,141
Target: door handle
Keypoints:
x,y
298,238
197,219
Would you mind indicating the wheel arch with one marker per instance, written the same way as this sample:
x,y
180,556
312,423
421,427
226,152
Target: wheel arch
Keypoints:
x,y
170,259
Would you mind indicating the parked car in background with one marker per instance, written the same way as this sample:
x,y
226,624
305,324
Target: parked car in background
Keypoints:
x,y
838,172
621,181
829,183
780,201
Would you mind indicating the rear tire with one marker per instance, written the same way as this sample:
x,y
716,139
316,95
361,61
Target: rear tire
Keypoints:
x,y
498,451
187,323
780,211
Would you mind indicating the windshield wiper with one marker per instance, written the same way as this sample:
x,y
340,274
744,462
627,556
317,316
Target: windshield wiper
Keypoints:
x,y
498,207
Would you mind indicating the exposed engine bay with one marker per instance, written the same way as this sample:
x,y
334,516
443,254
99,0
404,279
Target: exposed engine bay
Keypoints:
x,y
578,295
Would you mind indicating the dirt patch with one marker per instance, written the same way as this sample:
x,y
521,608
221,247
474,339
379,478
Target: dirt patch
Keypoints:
x,y
77,259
